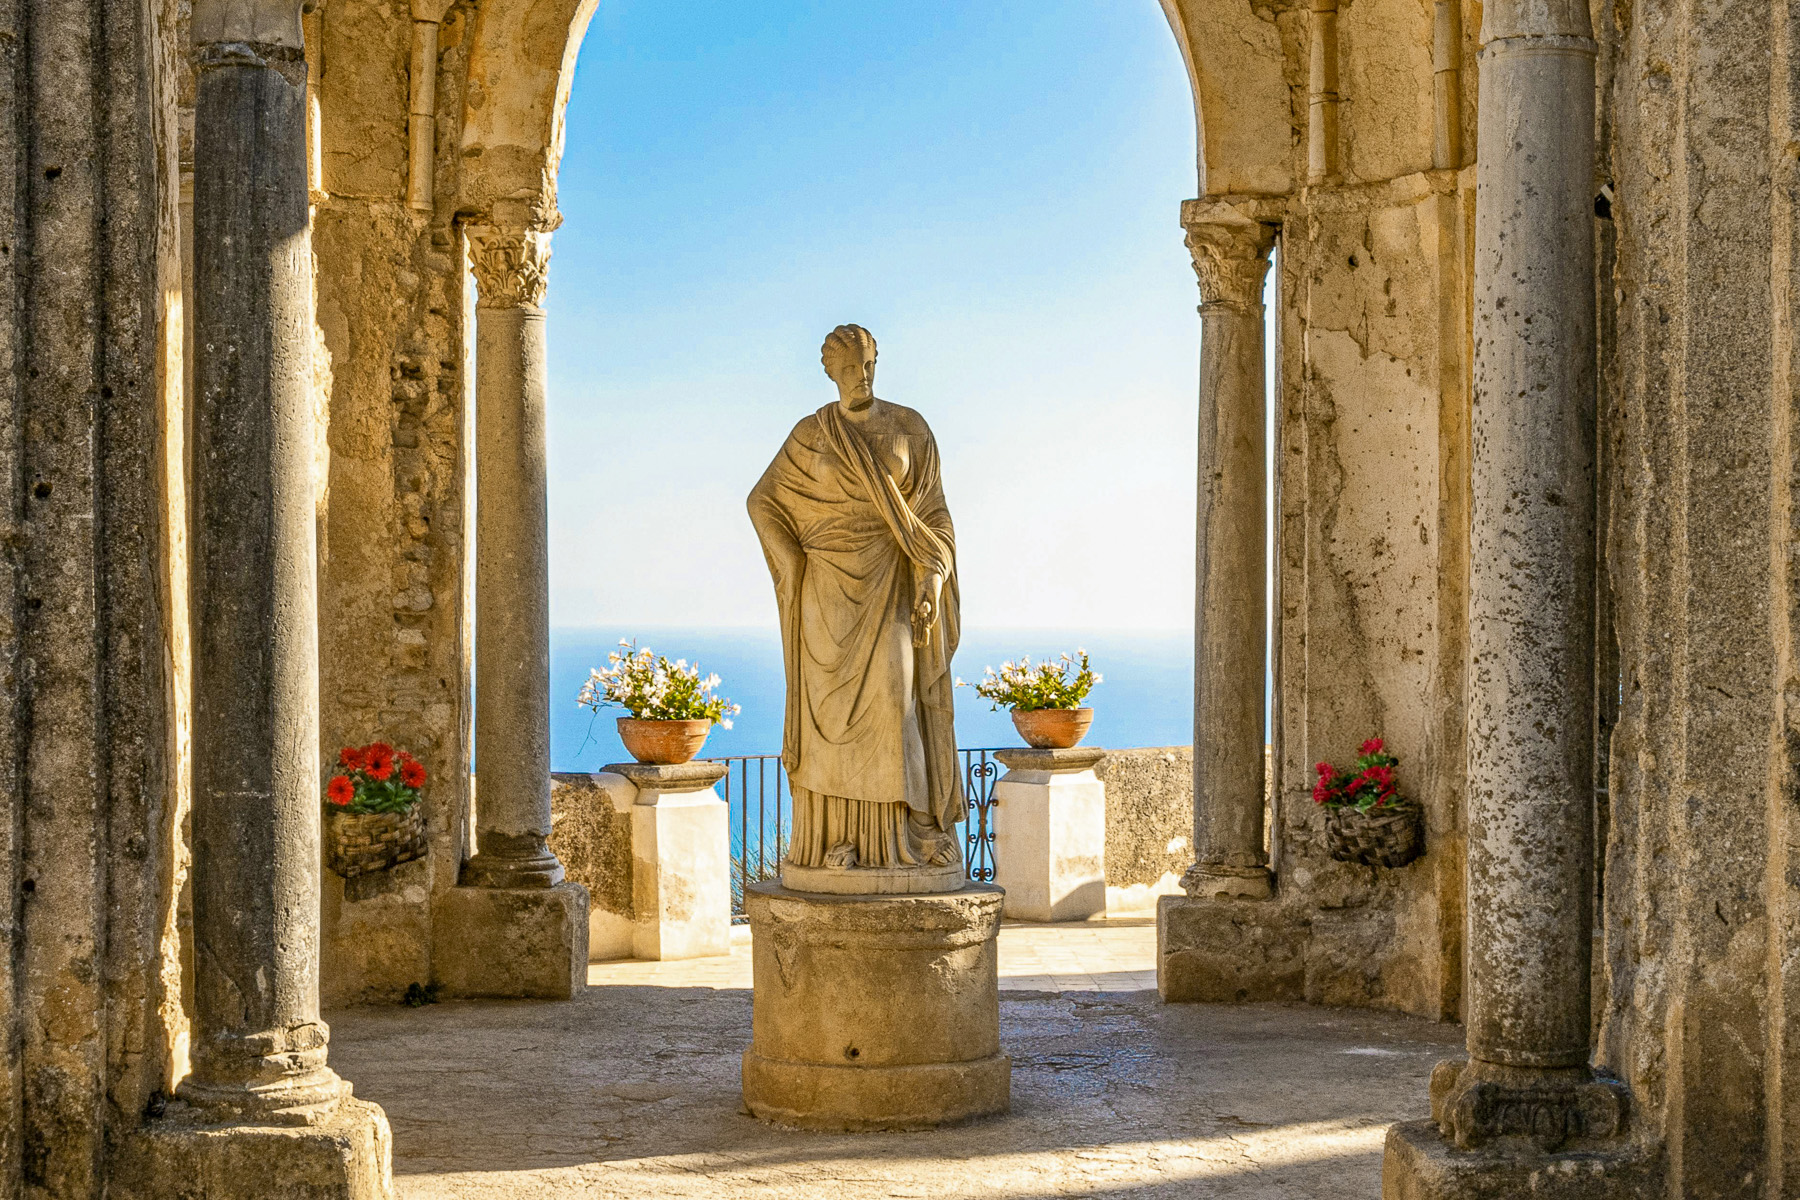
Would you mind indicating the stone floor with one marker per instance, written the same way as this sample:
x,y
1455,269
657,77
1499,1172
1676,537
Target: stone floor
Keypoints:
x,y
631,1091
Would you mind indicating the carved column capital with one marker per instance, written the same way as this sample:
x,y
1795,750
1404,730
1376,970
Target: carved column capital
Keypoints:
x,y
1231,253
512,265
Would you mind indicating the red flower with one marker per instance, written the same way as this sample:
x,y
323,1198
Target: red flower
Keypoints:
x,y
350,758
1372,746
378,760
412,772
340,791
1324,769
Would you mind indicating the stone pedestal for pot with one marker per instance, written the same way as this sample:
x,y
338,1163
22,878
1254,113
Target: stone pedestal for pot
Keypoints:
x,y
680,863
875,1012
1050,834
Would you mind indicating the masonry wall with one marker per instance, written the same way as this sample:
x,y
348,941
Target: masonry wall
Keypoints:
x,y
1372,281
1149,824
1699,889
394,527
90,1023
1372,559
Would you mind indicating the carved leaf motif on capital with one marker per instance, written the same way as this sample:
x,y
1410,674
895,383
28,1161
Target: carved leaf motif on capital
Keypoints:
x,y
1231,257
512,266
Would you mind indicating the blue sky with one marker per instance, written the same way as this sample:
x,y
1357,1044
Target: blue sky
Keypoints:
x,y
991,186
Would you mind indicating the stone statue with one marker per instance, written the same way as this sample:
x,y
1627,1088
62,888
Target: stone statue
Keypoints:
x,y
852,519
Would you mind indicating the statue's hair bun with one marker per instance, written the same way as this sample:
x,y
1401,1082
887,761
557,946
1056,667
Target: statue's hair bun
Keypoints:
x,y
846,340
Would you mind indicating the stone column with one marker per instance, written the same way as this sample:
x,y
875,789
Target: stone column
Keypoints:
x,y
421,120
259,1047
512,572
1231,257
515,927
1531,625
1322,94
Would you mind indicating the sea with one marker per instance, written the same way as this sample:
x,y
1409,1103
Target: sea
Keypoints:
x,y
1145,699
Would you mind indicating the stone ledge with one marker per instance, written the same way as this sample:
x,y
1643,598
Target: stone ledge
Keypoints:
x,y
679,777
1418,1163
346,1156
1057,762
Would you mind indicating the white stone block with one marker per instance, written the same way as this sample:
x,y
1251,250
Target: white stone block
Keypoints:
x,y
1050,835
680,861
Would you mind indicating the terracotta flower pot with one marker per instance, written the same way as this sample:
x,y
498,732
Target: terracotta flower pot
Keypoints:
x,y
664,743
1053,728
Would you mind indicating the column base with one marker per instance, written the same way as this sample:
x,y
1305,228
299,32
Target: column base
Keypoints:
x,y
860,1099
1419,1163
346,1155
1227,951
496,871
511,943
875,1012
1228,883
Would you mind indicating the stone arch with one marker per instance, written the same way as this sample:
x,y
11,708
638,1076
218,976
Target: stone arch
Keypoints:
x,y
522,64
1242,108
521,67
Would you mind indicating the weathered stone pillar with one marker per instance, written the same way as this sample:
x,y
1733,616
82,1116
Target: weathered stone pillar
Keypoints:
x,y
514,927
259,1047
1231,257
259,1044
1531,624
512,572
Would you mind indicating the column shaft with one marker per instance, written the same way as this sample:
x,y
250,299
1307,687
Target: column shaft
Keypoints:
x,y
1531,619
1322,94
421,122
259,1045
1531,597
512,582
1231,256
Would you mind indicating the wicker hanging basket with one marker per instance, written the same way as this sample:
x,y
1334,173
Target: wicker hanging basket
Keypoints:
x,y
1390,836
363,843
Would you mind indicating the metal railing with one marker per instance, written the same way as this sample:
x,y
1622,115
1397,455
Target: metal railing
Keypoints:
x,y
761,807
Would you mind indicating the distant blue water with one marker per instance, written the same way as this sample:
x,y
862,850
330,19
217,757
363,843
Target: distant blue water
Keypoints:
x,y
1146,699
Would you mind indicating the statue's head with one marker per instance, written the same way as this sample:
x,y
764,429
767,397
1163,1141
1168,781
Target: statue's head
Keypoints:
x,y
849,358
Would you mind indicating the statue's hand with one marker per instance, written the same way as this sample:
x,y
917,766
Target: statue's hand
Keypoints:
x,y
925,607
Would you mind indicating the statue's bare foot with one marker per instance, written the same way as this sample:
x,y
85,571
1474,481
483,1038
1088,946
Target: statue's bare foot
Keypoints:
x,y
841,857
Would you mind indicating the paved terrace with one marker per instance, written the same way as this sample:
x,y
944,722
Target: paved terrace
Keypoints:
x,y
632,1091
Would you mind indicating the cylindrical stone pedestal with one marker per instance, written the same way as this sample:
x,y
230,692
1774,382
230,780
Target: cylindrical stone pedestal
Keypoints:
x,y
875,1012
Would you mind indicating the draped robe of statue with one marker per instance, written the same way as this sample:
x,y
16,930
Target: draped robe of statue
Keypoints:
x,y
851,519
